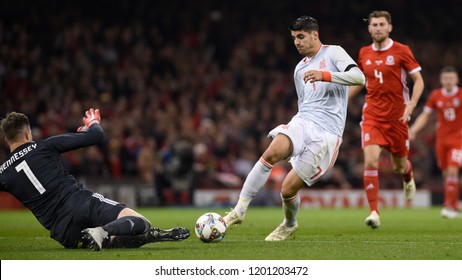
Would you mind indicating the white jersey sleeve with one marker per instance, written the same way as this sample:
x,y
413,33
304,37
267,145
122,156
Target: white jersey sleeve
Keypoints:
x,y
349,72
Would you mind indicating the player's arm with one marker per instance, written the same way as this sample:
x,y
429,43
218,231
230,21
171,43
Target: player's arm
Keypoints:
x,y
417,90
349,74
90,133
353,91
351,77
420,123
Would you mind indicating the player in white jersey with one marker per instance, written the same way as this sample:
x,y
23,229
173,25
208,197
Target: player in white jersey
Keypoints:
x,y
312,138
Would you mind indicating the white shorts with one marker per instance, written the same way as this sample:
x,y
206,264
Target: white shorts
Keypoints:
x,y
314,149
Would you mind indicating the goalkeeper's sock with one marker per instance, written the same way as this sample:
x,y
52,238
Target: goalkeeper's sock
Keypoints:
x,y
255,180
129,241
128,225
290,205
371,186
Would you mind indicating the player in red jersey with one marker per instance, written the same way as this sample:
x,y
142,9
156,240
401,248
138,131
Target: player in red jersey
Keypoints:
x,y
446,102
386,64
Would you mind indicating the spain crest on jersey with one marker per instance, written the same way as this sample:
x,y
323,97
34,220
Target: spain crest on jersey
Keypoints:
x,y
322,64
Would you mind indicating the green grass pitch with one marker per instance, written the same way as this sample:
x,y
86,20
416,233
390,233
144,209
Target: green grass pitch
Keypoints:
x,y
324,234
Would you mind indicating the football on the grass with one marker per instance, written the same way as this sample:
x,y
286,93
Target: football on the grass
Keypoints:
x,y
210,227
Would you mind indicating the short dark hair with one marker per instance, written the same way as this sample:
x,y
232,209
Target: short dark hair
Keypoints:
x,y
448,69
377,14
305,23
13,125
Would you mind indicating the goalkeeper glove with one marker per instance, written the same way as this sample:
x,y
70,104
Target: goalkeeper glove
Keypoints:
x,y
91,116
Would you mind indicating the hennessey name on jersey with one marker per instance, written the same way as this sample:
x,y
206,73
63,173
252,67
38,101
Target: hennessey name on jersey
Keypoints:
x,y
16,156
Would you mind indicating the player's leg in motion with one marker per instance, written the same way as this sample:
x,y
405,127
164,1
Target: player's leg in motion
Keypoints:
x,y
451,193
128,223
129,232
279,149
409,187
153,235
255,180
290,205
371,183
125,225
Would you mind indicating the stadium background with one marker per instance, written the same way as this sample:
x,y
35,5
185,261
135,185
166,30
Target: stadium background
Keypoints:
x,y
188,90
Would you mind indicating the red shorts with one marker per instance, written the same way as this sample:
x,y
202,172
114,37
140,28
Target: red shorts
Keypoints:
x,y
449,153
392,136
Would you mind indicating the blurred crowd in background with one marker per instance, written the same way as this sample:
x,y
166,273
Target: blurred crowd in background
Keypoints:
x,y
188,91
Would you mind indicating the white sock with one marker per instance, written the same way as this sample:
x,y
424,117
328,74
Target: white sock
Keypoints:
x,y
255,180
290,207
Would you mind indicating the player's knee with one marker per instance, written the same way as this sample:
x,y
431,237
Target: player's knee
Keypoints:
x,y
287,192
273,156
371,164
399,169
452,172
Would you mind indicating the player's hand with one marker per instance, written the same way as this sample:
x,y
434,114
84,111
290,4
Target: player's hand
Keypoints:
x,y
407,113
92,116
312,76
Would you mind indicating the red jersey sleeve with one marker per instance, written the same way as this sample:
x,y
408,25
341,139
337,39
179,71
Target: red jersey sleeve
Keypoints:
x,y
430,104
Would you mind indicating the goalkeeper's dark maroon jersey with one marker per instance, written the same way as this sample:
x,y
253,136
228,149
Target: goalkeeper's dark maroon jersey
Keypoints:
x,y
34,174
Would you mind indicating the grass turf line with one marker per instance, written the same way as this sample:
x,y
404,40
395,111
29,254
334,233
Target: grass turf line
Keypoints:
x,y
324,234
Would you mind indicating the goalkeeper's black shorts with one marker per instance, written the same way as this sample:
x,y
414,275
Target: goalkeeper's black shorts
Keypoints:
x,y
88,210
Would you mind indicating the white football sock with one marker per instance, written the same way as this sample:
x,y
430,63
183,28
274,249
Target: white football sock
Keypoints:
x,y
290,206
255,180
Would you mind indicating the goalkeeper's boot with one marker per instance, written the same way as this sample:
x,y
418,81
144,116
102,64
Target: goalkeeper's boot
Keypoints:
x,y
94,237
173,234
373,220
233,218
409,189
282,232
